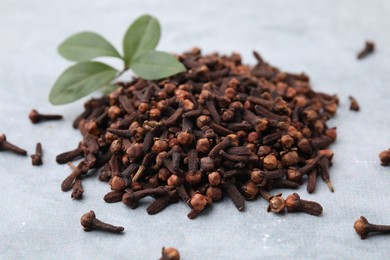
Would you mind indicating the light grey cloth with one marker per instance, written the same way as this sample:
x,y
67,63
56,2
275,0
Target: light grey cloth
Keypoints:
x,y
321,38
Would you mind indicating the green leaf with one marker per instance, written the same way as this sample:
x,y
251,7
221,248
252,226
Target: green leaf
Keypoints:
x,y
108,88
86,46
143,35
80,80
156,65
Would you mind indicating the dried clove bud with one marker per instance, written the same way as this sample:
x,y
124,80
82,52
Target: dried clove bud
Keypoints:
x,y
36,117
37,157
295,204
363,227
7,146
368,49
90,222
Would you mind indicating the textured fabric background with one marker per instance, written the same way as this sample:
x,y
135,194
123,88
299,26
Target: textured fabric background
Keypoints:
x,y
321,38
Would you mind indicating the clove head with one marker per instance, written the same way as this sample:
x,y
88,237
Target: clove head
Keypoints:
x,y
385,157
36,160
198,202
34,116
293,202
276,204
87,220
170,253
360,227
185,138
249,190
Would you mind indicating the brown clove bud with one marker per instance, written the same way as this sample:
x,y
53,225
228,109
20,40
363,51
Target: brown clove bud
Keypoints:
x,y
363,227
354,104
277,203
37,157
36,117
295,204
7,146
369,48
90,222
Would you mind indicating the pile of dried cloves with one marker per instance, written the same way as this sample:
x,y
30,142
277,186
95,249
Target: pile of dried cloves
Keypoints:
x,y
220,129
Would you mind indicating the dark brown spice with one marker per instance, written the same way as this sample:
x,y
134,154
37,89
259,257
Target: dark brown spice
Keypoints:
x,y
7,146
312,181
169,253
363,227
385,157
221,128
231,190
277,203
71,155
162,202
354,104
78,190
36,117
295,204
369,48
90,222
324,169
113,196
37,157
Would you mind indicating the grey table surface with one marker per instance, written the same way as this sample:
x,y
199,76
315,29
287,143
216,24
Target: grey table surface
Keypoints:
x,y
321,38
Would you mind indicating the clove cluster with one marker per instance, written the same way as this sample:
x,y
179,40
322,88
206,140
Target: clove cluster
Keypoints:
x,y
220,129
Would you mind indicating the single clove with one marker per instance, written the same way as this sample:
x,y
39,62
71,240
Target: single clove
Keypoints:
x,y
369,48
295,204
37,157
354,104
363,227
90,222
7,146
36,117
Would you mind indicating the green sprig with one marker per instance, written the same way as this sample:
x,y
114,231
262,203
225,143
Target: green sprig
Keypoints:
x,y
86,76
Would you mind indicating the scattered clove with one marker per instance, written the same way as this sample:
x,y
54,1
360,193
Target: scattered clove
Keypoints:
x,y
37,157
369,48
169,253
354,104
7,146
36,117
363,227
90,222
